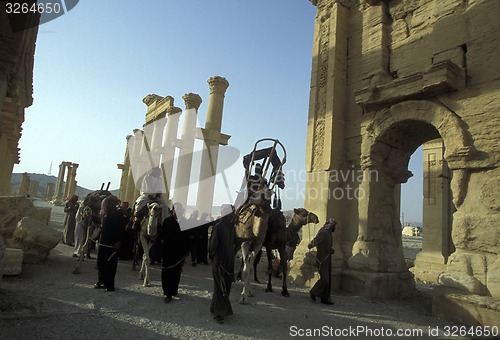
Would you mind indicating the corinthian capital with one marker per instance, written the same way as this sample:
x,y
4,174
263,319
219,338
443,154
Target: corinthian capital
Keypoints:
x,y
192,101
218,85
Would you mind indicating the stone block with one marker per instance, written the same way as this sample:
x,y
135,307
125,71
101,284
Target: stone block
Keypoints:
x,y
462,282
466,309
12,209
378,285
2,257
13,262
35,239
42,215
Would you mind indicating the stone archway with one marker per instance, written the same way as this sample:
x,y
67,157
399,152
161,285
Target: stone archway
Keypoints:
x,y
377,267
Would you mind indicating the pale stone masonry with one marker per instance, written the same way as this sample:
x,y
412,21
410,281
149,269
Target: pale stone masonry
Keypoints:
x,y
17,49
387,77
157,143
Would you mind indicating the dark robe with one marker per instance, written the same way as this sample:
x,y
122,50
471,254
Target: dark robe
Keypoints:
x,y
70,222
202,249
222,252
323,242
174,248
113,229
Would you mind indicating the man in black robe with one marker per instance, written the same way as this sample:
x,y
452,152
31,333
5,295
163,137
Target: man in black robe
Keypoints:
x,y
222,254
323,243
112,233
174,250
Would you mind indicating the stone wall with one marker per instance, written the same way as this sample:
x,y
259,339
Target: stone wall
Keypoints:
x,y
387,77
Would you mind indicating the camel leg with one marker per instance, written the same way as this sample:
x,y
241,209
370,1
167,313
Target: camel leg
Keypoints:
x,y
245,247
90,231
145,261
255,263
284,267
269,269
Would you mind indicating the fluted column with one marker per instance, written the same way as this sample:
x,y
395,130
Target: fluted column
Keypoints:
x,y
25,184
124,177
58,198
72,180
133,183
33,190
212,137
193,102
68,179
169,145
49,192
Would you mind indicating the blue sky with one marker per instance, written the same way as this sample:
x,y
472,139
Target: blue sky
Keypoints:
x,y
95,64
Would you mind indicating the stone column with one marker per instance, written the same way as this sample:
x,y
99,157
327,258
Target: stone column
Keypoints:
x,y
326,125
170,142
133,183
181,188
25,185
59,193
430,262
68,180
49,192
72,180
33,191
212,137
124,177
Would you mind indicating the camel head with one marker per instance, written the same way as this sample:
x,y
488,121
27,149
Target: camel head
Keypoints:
x,y
303,217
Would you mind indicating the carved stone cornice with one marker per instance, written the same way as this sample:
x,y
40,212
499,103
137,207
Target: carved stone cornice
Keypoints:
x,y
325,3
218,85
440,78
151,99
192,101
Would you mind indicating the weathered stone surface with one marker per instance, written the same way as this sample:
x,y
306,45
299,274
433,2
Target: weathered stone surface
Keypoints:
x,y
418,70
12,209
42,215
463,282
35,239
465,309
2,257
13,262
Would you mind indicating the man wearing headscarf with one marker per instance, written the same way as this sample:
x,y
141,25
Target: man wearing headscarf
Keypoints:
x,y
174,250
323,243
152,190
222,254
113,229
71,208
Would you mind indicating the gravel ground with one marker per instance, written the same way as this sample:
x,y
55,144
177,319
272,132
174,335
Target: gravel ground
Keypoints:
x,y
49,302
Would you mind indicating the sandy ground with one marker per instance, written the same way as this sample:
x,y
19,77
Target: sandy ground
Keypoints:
x,y
49,302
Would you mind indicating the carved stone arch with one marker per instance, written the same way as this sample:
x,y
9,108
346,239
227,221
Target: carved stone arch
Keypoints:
x,y
457,141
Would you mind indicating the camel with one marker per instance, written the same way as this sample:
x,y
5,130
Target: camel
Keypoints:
x,y
91,222
253,216
279,236
251,227
147,237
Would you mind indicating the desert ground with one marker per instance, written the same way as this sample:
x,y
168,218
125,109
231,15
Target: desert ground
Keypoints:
x,y
47,301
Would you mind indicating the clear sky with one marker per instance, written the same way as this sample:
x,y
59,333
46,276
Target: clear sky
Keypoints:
x,y
95,64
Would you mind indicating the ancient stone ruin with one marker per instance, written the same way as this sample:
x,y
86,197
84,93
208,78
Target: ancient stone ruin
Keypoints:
x,y
387,77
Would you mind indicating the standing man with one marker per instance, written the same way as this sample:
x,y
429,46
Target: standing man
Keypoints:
x,y
222,254
174,250
323,243
113,229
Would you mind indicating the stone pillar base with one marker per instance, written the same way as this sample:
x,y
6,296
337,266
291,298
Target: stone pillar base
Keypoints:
x,y
378,285
466,309
428,267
